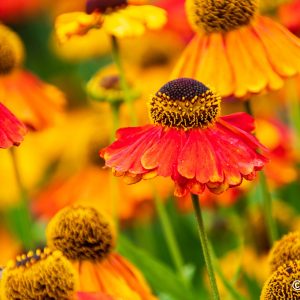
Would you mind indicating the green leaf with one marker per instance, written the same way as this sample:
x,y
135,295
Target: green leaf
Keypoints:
x,y
160,277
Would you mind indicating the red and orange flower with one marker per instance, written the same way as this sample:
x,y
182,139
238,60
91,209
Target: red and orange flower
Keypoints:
x,y
12,130
188,142
253,53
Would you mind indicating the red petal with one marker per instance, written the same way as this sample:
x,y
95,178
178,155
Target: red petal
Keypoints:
x,y
241,120
163,154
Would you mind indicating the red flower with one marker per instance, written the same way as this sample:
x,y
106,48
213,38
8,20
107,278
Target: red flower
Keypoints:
x,y
12,130
188,142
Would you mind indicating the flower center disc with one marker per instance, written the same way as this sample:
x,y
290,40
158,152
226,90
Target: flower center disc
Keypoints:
x,y
220,15
185,103
104,6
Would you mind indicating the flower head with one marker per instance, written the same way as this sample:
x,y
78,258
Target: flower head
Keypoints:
x,y
12,130
280,283
245,45
220,16
11,50
188,142
119,18
80,233
85,236
286,249
38,276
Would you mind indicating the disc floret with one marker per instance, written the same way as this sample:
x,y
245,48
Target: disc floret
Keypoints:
x,y
185,103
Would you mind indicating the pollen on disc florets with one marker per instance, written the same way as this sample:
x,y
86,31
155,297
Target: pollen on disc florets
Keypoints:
x,y
280,285
220,15
185,103
104,6
11,50
42,275
81,233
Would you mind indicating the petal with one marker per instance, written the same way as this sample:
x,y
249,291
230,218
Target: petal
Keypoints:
x,y
241,120
125,154
197,159
282,47
163,154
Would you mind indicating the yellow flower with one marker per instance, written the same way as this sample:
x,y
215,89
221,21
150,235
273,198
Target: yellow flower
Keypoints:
x,y
117,18
38,276
284,250
87,238
280,285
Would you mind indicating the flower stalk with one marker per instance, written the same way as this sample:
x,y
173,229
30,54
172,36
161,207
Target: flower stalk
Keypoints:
x,y
205,247
124,84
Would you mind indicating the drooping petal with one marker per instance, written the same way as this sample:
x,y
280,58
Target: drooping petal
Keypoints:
x,y
12,130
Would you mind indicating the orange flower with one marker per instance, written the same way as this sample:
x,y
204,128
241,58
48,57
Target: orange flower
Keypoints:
x,y
12,130
252,52
87,239
93,296
35,103
188,142
90,186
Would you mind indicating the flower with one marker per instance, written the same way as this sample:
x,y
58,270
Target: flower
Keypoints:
x,y
280,283
93,296
34,102
86,237
119,18
12,130
284,250
253,52
187,127
92,183
41,275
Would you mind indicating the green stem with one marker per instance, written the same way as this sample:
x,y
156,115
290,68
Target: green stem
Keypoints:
x,y
266,196
267,201
23,218
205,247
124,84
115,112
169,236
115,195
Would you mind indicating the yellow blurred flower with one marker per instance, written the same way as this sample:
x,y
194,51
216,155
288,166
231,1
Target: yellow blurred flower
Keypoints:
x,y
87,239
41,275
120,19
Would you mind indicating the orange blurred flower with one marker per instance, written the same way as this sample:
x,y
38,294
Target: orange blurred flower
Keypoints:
x,y
118,18
187,126
12,130
92,186
34,102
87,238
253,53
93,296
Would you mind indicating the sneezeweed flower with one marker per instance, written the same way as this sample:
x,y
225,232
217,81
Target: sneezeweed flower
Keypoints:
x,y
12,131
284,250
246,46
280,285
86,238
187,126
41,275
34,102
119,18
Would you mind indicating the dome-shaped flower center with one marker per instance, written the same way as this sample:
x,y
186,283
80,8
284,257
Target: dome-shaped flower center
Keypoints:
x,y
104,6
80,233
11,50
185,103
220,15
40,275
